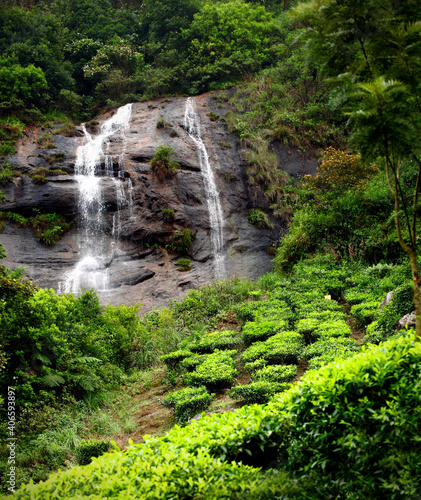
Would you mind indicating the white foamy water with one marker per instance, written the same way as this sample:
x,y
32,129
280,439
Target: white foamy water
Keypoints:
x,y
216,216
95,253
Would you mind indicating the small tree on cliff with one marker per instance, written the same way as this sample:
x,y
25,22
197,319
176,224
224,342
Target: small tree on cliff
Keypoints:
x,y
370,52
162,165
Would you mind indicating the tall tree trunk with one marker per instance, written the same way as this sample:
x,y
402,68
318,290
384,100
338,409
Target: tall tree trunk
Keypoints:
x,y
417,292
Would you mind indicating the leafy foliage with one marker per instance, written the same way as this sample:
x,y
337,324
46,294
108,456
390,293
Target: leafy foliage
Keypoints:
x,y
258,218
215,372
183,264
162,165
221,339
89,449
259,392
48,228
339,171
181,241
188,402
351,440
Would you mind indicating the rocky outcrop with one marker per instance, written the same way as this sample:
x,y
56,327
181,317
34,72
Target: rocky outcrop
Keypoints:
x,y
407,321
142,270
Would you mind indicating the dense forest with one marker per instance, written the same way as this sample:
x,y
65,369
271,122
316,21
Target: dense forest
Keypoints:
x,y
312,381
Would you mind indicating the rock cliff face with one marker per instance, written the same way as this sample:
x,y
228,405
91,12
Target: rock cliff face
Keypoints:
x,y
142,270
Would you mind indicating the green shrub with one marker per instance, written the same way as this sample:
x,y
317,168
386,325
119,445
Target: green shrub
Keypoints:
x,y
221,339
49,228
216,372
7,172
260,310
183,265
365,312
333,346
67,129
39,176
46,141
401,304
162,165
284,347
168,214
276,373
14,218
259,392
318,306
55,158
161,123
181,241
356,422
192,362
90,449
355,296
188,402
254,331
213,117
173,359
259,218
255,365
321,329
363,423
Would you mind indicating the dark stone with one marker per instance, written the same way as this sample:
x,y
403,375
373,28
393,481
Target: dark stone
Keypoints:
x,y
139,271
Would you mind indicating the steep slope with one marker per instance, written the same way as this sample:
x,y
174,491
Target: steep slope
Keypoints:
x,y
142,270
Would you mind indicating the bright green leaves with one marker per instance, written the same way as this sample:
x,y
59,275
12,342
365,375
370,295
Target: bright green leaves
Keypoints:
x,y
21,87
229,39
188,402
215,372
162,165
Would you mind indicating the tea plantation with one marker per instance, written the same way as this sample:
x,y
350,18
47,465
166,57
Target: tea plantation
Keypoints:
x,y
336,417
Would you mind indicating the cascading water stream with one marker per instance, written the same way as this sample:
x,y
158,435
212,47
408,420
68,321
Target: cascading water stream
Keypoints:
x,y
216,220
94,251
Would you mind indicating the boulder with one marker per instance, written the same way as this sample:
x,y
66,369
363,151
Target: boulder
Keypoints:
x,y
407,321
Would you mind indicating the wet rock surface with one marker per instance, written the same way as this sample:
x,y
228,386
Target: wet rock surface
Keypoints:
x,y
144,271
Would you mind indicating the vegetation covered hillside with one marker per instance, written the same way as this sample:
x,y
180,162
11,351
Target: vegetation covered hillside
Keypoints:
x,y
311,383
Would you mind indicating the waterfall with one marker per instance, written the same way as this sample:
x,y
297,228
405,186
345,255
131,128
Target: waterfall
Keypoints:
x,y
95,254
216,220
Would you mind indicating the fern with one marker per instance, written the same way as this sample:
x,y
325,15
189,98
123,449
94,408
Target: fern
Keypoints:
x,y
52,380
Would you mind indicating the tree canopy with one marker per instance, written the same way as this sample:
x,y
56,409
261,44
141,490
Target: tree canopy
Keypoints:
x,y
370,53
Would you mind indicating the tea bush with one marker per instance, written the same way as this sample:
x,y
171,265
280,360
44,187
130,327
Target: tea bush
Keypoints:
x,y
341,440
284,347
188,402
365,312
173,359
279,373
252,366
216,372
322,329
259,392
90,449
262,330
221,339
191,363
260,309
362,434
